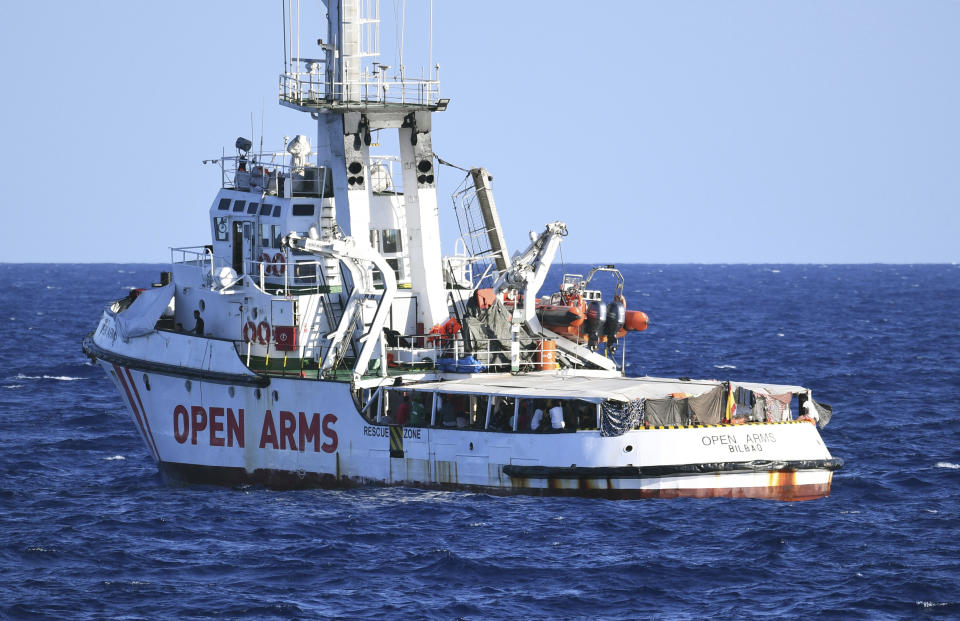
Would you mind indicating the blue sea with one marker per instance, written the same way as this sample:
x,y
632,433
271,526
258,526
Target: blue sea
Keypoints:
x,y
89,530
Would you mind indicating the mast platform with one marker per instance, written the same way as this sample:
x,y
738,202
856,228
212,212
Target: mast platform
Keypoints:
x,y
308,91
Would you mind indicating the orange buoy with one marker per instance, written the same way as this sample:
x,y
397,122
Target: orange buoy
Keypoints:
x,y
636,320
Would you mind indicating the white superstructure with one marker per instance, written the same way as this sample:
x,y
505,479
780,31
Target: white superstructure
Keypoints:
x,y
321,338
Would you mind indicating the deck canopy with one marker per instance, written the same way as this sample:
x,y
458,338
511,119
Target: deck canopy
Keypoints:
x,y
586,388
141,316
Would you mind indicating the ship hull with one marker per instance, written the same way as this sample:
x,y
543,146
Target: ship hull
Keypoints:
x,y
794,485
292,433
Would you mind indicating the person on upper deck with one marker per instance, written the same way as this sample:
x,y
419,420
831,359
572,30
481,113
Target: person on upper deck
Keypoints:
x,y
448,413
587,417
556,416
463,415
394,399
536,423
403,410
502,416
418,413
523,419
198,328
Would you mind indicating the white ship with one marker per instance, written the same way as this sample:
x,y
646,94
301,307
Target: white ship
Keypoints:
x,y
322,339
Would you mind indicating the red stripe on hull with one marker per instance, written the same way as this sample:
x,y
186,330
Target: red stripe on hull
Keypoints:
x,y
136,412
143,410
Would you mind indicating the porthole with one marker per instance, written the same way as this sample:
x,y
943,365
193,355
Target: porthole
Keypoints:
x,y
276,397
257,393
471,446
231,391
628,448
146,381
188,385
202,306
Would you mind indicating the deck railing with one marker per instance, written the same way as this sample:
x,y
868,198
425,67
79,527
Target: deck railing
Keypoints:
x,y
311,88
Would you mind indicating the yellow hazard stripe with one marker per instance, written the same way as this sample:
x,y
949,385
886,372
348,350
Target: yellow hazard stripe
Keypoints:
x,y
396,438
698,426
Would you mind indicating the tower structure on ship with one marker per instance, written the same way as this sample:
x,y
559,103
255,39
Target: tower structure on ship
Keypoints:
x,y
352,96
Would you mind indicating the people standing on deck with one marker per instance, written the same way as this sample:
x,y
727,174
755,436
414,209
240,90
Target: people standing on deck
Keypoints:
x,y
523,424
537,421
502,419
198,328
394,399
403,410
418,413
556,416
448,413
463,416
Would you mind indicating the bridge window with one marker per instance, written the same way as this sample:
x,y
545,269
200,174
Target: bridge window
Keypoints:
x,y
303,210
221,228
265,209
276,211
391,241
265,235
395,264
305,271
224,204
252,209
239,205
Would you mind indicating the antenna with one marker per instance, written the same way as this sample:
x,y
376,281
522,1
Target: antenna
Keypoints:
x,y
403,31
430,29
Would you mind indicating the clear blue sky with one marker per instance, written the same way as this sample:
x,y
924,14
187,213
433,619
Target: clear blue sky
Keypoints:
x,y
813,131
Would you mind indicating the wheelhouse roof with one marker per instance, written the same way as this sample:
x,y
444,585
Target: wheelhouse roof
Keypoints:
x,y
586,388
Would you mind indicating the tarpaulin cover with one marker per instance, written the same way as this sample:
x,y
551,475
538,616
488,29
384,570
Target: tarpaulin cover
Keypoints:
x,y
490,331
142,315
617,417
669,411
588,386
469,364
825,411
708,408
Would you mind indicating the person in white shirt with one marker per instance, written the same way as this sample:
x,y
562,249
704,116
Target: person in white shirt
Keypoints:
x,y
556,416
537,418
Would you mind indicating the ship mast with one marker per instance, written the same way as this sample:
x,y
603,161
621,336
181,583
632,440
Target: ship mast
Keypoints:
x,y
351,95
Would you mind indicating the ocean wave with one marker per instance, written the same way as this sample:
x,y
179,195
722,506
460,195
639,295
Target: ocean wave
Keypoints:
x,y
13,386
61,378
932,604
115,458
724,366
947,464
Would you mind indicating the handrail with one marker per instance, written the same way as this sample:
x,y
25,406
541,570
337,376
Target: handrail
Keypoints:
x,y
438,347
312,88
